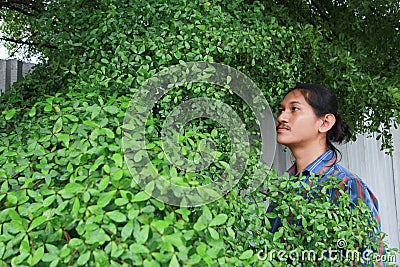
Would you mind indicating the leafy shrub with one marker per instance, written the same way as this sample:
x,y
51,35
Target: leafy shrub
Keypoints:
x,y
66,195
68,199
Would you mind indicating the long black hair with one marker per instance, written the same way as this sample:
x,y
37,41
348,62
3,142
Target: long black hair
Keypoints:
x,y
323,102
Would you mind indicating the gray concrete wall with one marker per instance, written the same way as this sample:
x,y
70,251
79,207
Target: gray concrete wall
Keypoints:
x,y
3,75
11,71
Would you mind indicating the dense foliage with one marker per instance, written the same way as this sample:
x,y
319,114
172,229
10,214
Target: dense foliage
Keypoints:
x,y
66,195
350,47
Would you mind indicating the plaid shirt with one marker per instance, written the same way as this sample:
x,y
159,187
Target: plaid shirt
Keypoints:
x,y
325,165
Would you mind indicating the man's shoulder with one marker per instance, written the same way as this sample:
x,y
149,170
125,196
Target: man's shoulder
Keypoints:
x,y
347,177
355,185
342,173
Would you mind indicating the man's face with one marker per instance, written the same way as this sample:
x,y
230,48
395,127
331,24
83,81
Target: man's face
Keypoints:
x,y
297,125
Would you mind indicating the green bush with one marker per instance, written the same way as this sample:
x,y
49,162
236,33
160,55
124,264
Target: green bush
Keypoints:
x,y
66,194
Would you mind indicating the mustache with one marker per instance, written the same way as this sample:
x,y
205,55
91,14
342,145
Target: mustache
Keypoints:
x,y
282,125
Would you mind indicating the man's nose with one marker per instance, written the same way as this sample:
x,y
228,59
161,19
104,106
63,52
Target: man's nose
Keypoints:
x,y
282,117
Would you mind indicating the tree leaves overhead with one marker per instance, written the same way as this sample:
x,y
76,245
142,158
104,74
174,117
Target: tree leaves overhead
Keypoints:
x,y
351,47
25,7
357,55
368,28
66,194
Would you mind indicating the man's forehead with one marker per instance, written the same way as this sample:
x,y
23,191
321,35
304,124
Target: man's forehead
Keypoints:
x,y
294,97
290,103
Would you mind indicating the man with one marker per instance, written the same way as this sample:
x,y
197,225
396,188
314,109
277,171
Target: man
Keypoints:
x,y
308,123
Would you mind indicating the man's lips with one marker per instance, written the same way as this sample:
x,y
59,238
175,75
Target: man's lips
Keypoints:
x,y
281,128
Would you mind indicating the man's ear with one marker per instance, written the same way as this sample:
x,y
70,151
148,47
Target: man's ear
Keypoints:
x,y
328,120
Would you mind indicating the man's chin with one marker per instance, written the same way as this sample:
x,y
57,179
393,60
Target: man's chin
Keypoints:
x,y
280,141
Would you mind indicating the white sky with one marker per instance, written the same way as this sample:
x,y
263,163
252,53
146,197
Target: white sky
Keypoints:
x,y
3,52
4,55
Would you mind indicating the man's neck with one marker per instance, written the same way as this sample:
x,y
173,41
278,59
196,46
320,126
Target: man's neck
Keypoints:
x,y
305,157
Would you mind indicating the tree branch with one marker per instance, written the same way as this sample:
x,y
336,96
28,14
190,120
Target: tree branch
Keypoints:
x,y
26,42
20,10
23,6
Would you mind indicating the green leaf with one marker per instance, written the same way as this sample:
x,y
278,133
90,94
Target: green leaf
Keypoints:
x,y
108,133
99,161
143,235
214,234
36,222
91,124
184,212
71,190
277,236
174,262
126,231
32,112
100,257
160,225
64,138
49,200
48,108
118,159
138,156
246,255
10,113
142,49
83,258
105,198
116,216
207,214
55,262
116,251
58,125
11,198
104,182
2,248
112,109
219,220
201,27
37,256
71,117
160,205
231,233
138,248
13,215
75,242
75,207
18,226
20,258
49,257
202,249
97,236
121,201
199,225
141,196
118,175
194,259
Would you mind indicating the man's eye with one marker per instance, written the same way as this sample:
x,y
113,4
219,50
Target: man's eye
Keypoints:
x,y
295,108
276,114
